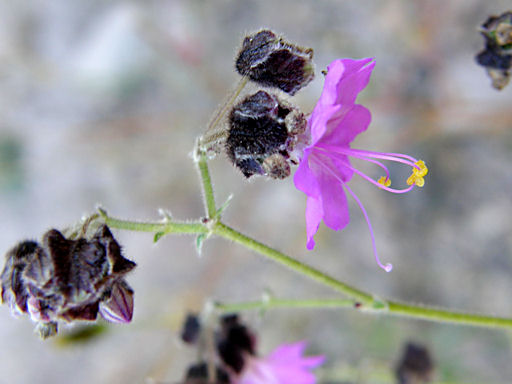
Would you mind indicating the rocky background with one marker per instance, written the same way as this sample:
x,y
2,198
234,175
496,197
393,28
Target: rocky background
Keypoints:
x,y
100,103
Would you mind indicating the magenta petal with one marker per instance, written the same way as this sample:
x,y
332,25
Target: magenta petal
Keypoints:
x,y
347,127
313,361
289,366
314,215
335,205
354,79
288,351
119,307
304,178
319,121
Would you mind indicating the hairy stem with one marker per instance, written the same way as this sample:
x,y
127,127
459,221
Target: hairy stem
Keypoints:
x,y
164,228
446,316
229,233
209,197
358,299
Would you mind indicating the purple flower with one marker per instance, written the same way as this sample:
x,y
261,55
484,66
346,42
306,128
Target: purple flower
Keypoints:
x,y
283,366
325,168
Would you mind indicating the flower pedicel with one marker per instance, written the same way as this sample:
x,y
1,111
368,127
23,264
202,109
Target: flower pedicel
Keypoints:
x,y
325,168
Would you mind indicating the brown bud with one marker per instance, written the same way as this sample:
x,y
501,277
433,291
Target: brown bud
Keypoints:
x,y
271,61
262,133
496,58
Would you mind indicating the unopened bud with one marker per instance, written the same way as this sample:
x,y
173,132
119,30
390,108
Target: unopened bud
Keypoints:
x,y
118,306
191,329
269,60
415,366
496,58
235,342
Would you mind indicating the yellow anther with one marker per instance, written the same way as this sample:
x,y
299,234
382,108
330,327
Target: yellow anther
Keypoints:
x,y
422,171
417,174
384,181
420,182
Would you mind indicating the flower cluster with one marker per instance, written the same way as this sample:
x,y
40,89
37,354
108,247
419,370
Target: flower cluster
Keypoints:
x,y
64,279
239,363
325,167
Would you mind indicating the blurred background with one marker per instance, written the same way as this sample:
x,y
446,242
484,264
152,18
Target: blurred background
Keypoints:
x,y
100,103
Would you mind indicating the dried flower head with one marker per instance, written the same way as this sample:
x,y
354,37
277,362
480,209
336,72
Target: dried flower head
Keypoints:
x,y
496,58
262,135
65,279
269,60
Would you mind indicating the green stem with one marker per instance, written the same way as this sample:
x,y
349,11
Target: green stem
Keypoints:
x,y
165,228
446,316
272,303
209,197
367,302
303,269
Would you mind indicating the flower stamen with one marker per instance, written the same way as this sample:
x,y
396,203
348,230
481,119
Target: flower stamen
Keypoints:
x,y
388,267
374,182
385,181
418,172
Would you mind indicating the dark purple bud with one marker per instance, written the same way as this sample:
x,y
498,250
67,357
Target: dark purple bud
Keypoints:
x,y
191,329
496,58
234,342
118,308
262,134
271,61
415,366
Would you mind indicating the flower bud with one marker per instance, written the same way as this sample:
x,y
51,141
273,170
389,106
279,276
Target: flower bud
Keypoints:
x,y
191,329
270,61
65,279
496,58
234,342
117,307
262,134
415,366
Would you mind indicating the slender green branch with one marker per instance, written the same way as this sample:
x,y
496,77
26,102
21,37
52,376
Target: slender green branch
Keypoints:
x,y
209,197
164,227
447,316
272,303
229,233
392,308
359,299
